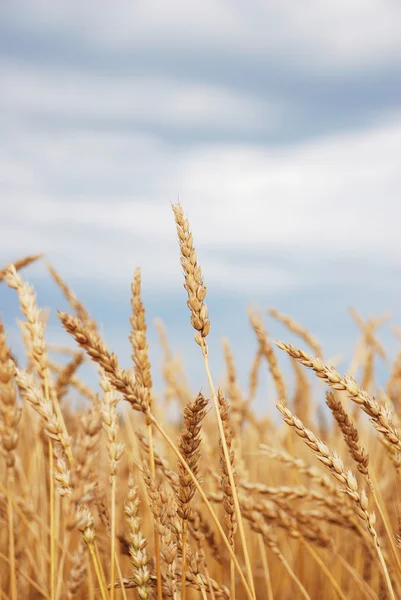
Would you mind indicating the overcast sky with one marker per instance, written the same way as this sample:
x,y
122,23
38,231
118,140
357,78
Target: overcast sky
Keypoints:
x,y
277,125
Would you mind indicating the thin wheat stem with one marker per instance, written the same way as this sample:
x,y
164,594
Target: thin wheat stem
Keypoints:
x,y
184,558
266,570
120,575
91,583
232,579
98,571
364,586
66,542
295,578
390,534
231,477
11,541
52,507
99,562
203,593
385,571
52,524
324,568
113,537
152,467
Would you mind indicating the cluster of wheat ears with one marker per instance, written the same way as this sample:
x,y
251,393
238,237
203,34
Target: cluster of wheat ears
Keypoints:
x,y
109,498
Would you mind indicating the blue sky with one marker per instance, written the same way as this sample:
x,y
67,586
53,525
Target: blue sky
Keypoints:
x,y
278,125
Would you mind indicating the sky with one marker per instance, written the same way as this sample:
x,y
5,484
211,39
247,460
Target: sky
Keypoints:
x,y
276,124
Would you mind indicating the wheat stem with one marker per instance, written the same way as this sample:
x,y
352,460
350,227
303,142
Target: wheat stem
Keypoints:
x,y
231,477
11,541
66,541
295,578
390,534
97,571
120,575
266,570
184,558
324,568
52,524
156,534
232,579
113,536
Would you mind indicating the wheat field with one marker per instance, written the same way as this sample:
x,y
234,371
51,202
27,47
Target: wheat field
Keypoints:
x,y
109,497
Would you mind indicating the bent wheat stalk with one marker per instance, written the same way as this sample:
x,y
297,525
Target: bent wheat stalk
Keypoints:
x,y
334,463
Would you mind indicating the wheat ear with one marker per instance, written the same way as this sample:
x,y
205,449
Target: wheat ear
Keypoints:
x,y
20,264
10,415
188,444
380,419
298,329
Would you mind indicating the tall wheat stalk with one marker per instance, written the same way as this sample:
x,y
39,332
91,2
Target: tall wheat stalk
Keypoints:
x,y
196,291
143,376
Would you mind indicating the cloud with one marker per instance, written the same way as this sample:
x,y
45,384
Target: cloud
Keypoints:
x,y
338,34
88,171
271,74
142,100
260,217
278,126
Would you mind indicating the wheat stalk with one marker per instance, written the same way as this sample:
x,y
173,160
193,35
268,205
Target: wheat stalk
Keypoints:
x,y
333,462
196,291
188,444
267,351
299,330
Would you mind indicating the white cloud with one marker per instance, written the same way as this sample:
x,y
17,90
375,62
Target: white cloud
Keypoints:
x,y
312,33
145,100
330,199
